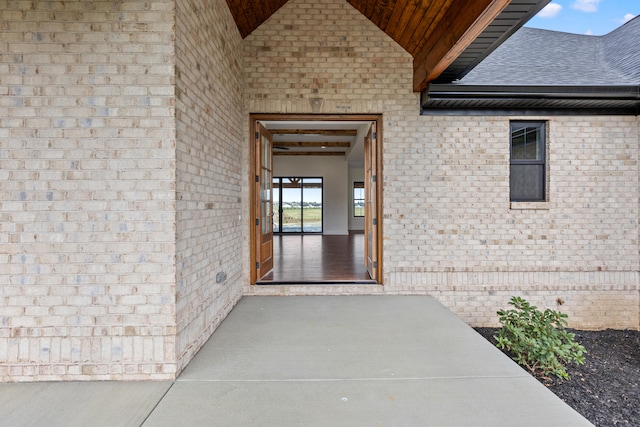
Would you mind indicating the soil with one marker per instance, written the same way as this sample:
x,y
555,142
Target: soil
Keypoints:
x,y
606,389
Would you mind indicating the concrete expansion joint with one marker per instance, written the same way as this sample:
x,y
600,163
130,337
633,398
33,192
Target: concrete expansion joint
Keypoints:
x,y
329,380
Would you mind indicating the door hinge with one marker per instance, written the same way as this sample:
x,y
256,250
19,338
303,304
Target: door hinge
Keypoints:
x,y
257,178
375,264
257,221
257,135
375,221
374,178
374,135
257,265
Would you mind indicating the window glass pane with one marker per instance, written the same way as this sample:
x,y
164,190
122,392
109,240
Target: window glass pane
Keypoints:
x,y
267,226
266,184
297,205
276,205
527,182
312,205
266,152
266,211
358,199
526,143
291,205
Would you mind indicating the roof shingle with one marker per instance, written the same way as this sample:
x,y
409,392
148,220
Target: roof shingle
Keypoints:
x,y
550,58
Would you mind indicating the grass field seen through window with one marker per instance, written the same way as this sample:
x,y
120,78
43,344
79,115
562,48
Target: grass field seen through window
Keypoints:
x,y
293,217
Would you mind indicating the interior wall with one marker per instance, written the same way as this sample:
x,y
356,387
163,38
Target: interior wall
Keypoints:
x,y
209,239
334,171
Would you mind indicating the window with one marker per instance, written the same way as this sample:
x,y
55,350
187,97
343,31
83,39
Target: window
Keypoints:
x,y
358,199
297,205
528,162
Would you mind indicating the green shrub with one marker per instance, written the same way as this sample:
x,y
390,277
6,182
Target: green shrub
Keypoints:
x,y
538,339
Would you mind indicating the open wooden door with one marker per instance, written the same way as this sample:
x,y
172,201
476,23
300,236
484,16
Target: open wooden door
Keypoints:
x,y
371,203
263,200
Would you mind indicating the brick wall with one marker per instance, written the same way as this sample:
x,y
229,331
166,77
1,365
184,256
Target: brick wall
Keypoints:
x,y
209,171
472,249
325,57
87,189
449,229
123,189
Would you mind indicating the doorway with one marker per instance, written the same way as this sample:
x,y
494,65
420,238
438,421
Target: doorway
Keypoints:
x,y
312,248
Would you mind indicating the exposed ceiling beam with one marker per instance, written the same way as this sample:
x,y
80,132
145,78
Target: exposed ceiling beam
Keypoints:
x,y
326,132
459,26
308,153
330,144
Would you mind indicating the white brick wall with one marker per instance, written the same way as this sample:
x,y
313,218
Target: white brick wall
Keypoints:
x,y
449,229
87,189
124,190
121,194
209,171
472,243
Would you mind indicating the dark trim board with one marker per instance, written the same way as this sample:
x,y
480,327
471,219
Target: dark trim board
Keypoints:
x,y
568,111
452,99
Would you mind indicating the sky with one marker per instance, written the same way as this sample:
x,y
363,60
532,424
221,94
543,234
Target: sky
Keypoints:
x,y
592,17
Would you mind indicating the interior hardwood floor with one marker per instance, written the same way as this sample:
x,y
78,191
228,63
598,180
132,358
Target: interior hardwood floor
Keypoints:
x,y
315,258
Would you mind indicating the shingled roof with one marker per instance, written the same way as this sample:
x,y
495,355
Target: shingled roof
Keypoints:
x,y
553,71
542,57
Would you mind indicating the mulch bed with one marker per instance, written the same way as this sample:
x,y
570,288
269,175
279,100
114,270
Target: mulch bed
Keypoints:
x,y
606,389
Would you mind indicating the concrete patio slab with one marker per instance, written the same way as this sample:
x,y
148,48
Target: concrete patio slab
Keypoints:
x,y
315,361
351,361
81,404
405,402
345,337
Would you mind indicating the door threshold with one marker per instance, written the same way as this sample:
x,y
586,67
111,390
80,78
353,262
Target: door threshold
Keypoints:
x,y
315,282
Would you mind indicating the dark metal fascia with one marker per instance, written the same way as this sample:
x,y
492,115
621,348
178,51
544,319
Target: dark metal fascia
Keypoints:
x,y
538,111
521,92
481,94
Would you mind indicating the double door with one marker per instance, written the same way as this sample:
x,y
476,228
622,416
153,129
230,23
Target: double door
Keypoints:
x,y
263,197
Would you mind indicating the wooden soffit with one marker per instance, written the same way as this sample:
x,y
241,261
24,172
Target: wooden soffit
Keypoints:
x,y
434,32
250,14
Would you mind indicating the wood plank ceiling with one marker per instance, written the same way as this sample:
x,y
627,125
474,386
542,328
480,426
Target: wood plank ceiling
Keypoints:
x,y
434,32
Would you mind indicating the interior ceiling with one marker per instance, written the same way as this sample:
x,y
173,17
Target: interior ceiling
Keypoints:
x,y
337,138
434,32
